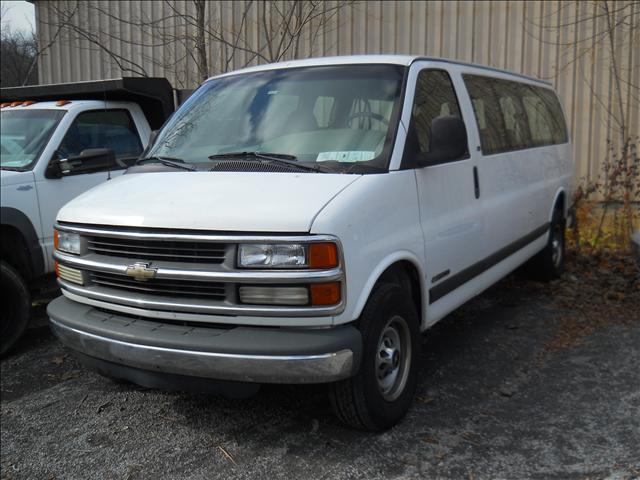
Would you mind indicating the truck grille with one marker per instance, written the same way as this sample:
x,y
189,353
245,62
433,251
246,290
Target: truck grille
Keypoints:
x,y
166,250
162,287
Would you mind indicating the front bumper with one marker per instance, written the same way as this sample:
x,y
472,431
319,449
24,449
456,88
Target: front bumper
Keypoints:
x,y
244,354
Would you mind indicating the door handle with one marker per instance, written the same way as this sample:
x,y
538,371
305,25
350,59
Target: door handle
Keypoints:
x,y
476,184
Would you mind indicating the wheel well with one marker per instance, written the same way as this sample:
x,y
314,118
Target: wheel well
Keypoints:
x,y
405,274
14,251
560,203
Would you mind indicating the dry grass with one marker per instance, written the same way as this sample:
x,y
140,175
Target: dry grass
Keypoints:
x,y
598,228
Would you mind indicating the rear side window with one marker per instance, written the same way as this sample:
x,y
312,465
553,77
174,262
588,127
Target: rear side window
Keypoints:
x,y
434,97
488,113
513,116
545,116
112,129
537,116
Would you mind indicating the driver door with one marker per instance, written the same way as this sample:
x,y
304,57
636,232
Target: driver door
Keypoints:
x,y
112,129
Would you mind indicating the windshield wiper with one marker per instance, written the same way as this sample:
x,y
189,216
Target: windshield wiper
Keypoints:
x,y
169,162
279,158
264,155
13,169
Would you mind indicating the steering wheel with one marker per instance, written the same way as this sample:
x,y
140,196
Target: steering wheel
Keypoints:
x,y
370,115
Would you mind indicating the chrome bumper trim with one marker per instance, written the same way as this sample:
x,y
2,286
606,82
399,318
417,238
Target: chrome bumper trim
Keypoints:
x,y
322,368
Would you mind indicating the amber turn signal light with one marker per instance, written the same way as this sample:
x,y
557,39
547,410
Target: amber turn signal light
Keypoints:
x,y
325,293
323,255
55,241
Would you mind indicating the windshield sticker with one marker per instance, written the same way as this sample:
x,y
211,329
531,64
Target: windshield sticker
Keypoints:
x,y
346,156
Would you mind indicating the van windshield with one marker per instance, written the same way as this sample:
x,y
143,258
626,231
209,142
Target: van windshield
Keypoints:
x,y
339,117
24,134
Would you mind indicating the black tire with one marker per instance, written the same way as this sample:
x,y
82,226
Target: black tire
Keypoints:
x,y
16,307
548,264
360,401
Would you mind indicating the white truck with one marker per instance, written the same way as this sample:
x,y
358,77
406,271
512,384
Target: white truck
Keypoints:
x,y
58,141
304,222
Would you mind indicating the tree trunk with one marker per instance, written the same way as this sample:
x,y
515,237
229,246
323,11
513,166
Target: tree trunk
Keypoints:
x,y
200,44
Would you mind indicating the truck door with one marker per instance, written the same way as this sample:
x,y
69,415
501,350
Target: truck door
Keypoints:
x,y
450,208
109,128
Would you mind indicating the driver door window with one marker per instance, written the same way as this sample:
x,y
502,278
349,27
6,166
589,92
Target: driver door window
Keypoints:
x,y
112,129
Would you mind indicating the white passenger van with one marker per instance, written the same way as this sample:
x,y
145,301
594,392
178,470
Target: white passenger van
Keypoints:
x,y
304,222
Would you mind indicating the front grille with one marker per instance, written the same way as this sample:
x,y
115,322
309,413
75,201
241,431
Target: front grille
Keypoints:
x,y
161,287
167,250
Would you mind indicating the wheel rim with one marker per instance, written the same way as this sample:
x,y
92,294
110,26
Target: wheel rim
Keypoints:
x,y
393,358
556,247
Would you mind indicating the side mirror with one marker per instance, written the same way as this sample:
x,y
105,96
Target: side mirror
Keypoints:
x,y
53,169
448,141
89,161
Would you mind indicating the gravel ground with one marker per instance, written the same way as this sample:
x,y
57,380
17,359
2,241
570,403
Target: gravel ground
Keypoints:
x,y
514,385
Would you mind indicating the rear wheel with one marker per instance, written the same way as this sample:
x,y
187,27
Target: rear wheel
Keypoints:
x,y
15,307
380,394
548,264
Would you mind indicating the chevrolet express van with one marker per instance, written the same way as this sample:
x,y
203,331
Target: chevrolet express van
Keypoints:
x,y
305,221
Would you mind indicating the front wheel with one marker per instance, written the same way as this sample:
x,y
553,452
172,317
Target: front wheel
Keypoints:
x,y
16,307
380,394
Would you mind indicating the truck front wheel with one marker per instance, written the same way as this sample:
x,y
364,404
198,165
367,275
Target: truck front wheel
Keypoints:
x,y
381,393
15,306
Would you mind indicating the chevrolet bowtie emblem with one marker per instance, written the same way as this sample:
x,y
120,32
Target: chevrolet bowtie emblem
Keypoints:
x,y
141,271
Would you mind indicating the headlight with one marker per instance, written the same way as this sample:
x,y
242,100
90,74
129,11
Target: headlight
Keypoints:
x,y
66,242
288,255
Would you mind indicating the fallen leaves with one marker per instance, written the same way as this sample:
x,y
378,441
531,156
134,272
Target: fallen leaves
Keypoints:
x,y
595,292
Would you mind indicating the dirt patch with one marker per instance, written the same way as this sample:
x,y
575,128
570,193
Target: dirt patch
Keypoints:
x,y
596,292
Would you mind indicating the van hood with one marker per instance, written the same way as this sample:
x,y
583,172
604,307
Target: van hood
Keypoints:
x,y
220,201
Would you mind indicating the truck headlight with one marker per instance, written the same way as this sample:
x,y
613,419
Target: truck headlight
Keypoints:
x,y
288,255
66,242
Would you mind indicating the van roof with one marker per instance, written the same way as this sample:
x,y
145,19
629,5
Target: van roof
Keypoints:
x,y
405,60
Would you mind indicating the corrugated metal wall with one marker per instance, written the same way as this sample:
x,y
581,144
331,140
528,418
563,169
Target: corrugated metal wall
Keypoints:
x,y
537,38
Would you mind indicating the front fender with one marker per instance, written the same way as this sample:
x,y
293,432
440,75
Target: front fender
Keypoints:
x,y
14,218
380,268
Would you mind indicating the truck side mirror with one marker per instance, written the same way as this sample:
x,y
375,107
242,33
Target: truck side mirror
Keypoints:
x,y
448,141
89,161
53,169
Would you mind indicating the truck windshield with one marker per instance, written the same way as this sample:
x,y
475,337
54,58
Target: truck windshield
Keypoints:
x,y
24,134
338,117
